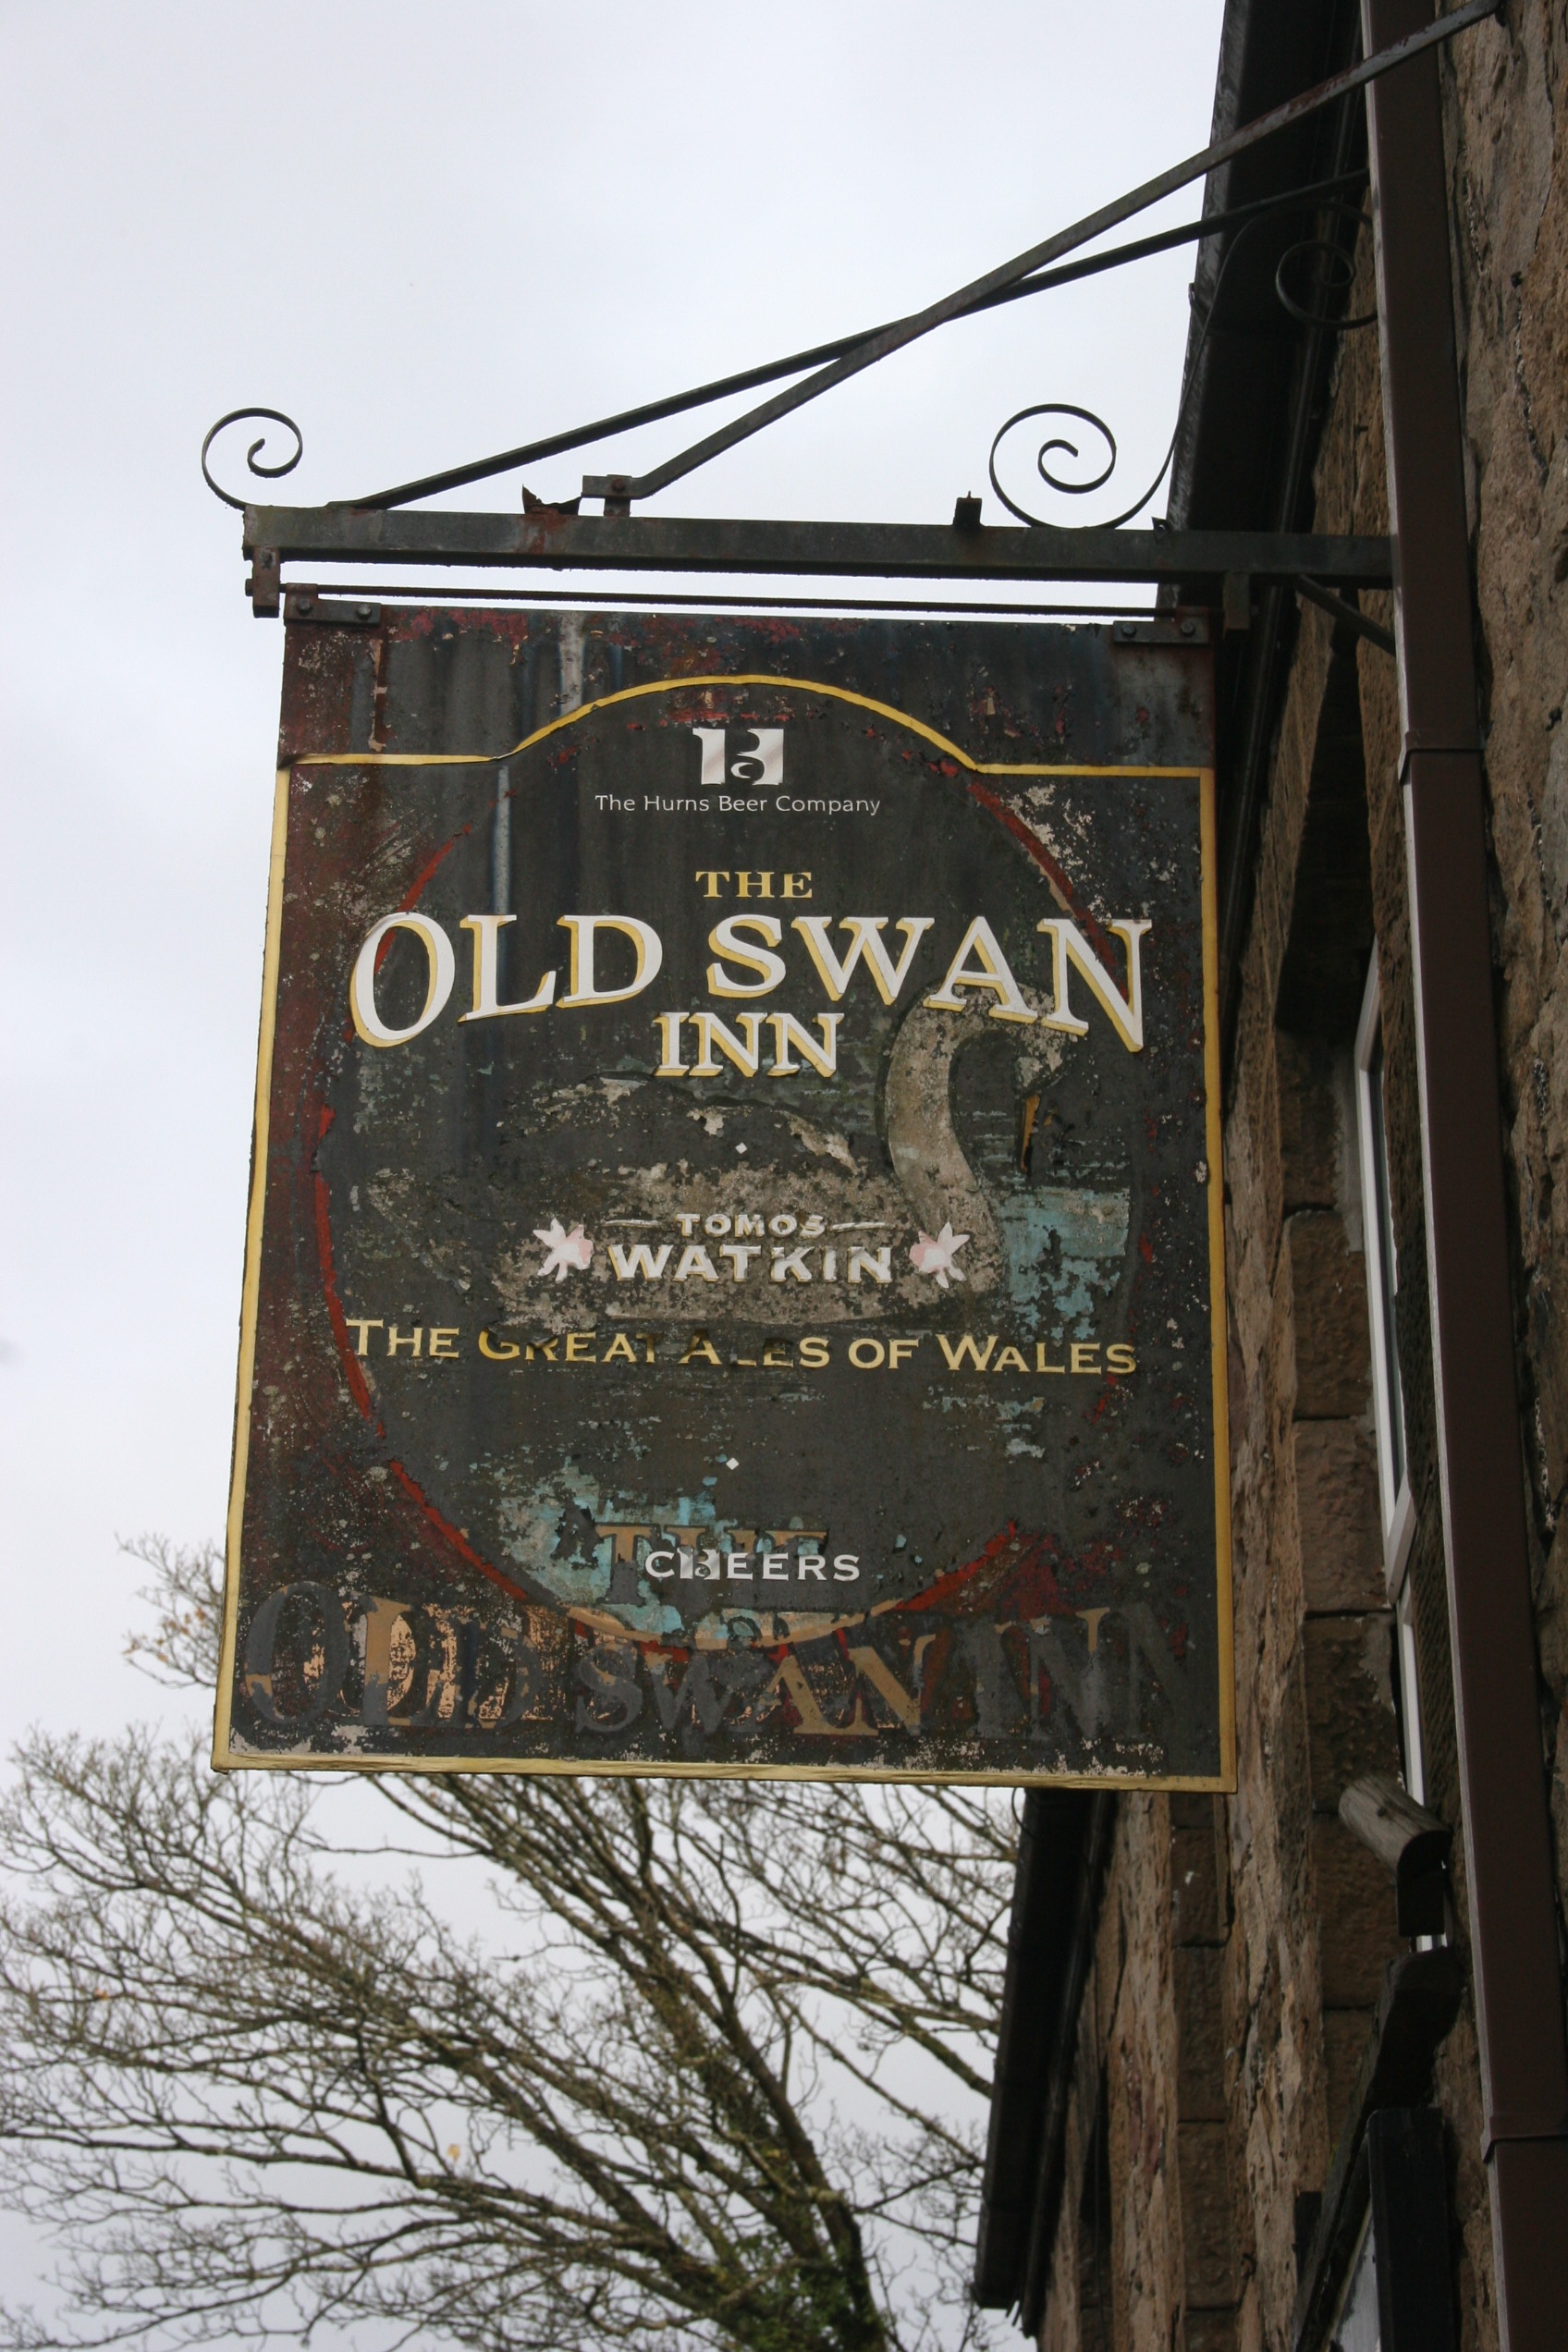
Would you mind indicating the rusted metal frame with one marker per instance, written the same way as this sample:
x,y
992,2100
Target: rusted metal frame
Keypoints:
x,y
618,489
749,379
1149,627
1514,1925
276,535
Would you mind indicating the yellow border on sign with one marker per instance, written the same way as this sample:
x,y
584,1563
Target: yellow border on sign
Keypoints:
x,y
225,1758
684,685
251,1297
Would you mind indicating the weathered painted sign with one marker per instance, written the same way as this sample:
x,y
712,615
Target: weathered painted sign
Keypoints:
x,y
733,1277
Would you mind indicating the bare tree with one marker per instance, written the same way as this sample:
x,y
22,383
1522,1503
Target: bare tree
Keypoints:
x,y
712,2073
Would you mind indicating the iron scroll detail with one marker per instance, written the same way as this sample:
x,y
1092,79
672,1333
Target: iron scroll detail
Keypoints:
x,y
252,454
1335,265
1063,408
1335,272
1057,442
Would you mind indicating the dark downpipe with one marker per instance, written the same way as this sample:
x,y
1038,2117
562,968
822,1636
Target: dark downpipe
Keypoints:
x,y
1519,1993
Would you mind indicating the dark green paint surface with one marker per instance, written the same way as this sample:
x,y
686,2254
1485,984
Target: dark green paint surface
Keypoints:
x,y
716,1350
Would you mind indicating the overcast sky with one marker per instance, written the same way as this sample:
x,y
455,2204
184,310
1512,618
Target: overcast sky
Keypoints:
x,y
426,232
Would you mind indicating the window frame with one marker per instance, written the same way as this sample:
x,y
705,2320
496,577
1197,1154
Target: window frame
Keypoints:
x,y
1397,1504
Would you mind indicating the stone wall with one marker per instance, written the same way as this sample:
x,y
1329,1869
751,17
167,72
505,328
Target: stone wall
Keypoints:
x,y
1243,1940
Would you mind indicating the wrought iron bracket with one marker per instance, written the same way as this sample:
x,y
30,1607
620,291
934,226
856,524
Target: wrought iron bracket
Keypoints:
x,y
1026,274
1346,614
264,586
1197,561
1220,568
618,490
330,612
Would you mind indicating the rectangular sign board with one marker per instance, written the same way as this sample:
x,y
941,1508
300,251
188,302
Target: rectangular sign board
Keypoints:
x,y
733,1280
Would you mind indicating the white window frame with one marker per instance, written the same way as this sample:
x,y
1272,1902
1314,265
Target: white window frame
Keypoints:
x,y
1398,1506
1410,1700
1383,1286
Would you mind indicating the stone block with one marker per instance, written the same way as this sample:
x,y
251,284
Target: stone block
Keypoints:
x,y
1196,1893
1200,2034
1543,317
1209,2252
1351,1729
1288,1792
1209,2331
1309,1122
1333,1358
1339,1515
1356,1931
1252,1158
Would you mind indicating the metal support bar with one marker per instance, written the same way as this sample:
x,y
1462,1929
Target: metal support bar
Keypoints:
x,y
1346,614
796,362
620,488
1519,2012
274,535
1166,627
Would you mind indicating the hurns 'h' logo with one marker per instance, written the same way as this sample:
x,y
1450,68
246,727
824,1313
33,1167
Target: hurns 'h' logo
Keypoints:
x,y
743,755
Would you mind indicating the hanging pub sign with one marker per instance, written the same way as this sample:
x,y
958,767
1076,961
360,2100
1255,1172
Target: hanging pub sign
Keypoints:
x,y
734,1280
